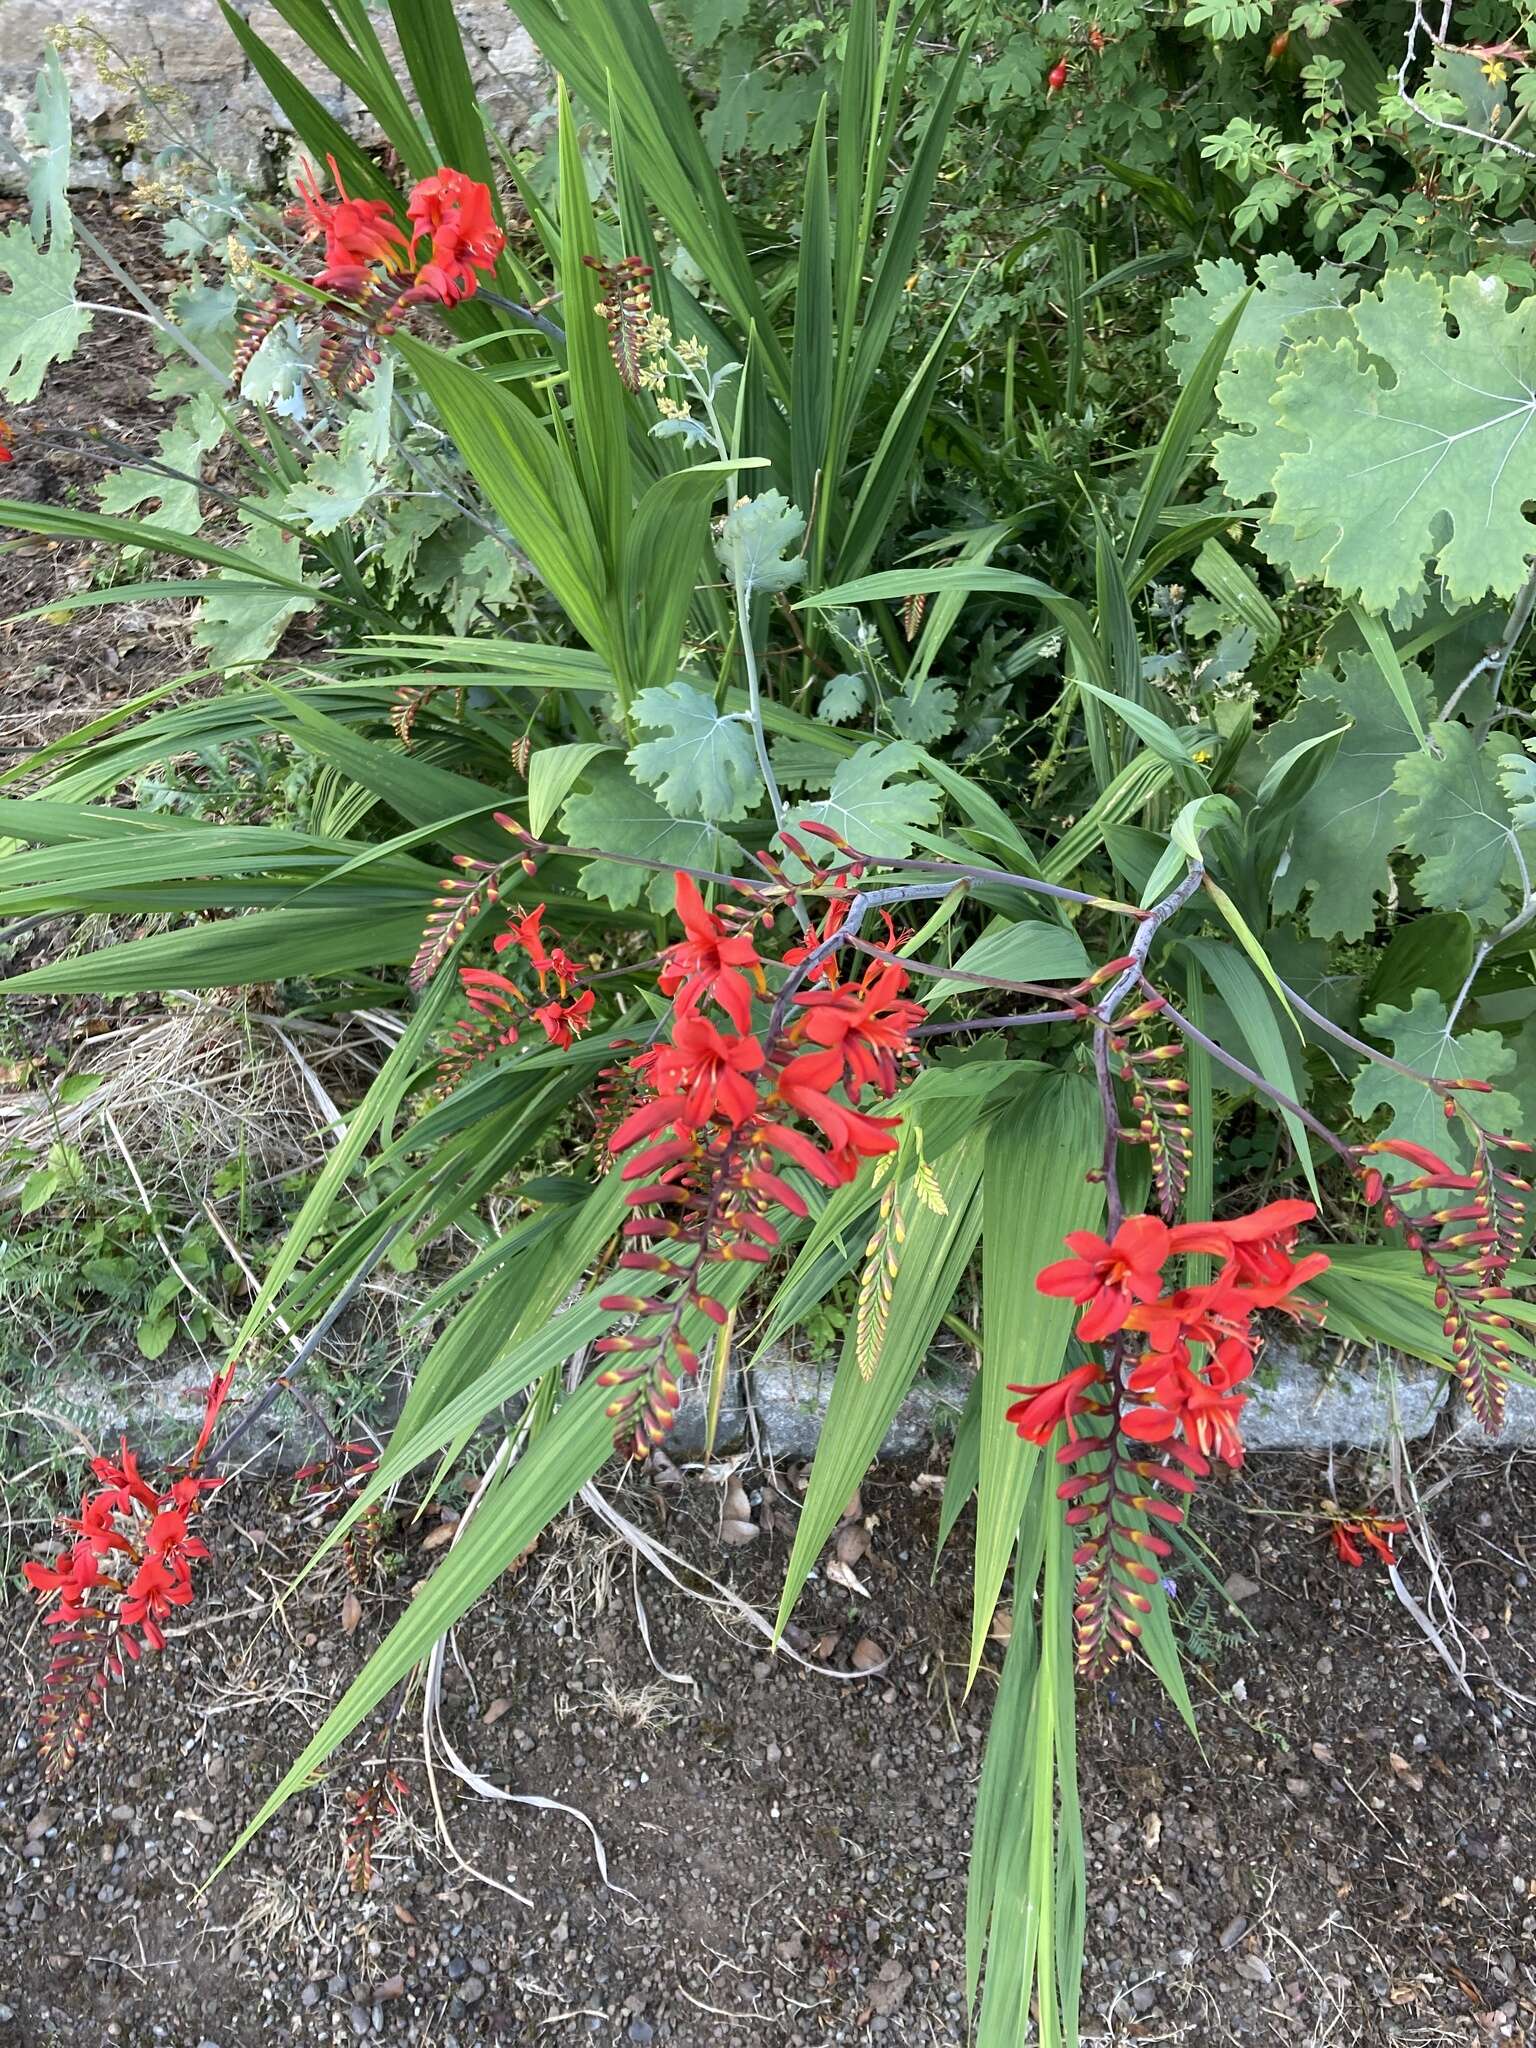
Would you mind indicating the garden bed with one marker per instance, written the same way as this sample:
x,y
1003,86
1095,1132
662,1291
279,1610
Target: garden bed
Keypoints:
x,y
1351,1859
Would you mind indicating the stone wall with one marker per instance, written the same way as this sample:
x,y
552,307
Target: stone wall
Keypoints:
x,y
187,49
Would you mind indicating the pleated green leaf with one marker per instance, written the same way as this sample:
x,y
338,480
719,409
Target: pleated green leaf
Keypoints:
x,y
860,1412
1039,1153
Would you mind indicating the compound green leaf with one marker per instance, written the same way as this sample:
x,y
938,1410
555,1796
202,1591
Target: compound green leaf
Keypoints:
x,y
1456,822
706,766
40,320
622,818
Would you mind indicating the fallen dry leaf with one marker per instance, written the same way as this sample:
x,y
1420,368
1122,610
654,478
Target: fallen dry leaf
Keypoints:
x,y
436,1538
351,1613
844,1575
853,1541
494,1712
867,1655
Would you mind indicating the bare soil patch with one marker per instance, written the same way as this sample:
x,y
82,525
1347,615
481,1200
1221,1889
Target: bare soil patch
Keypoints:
x,y
1347,1855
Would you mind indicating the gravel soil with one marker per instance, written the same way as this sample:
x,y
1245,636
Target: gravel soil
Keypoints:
x,y
1347,1854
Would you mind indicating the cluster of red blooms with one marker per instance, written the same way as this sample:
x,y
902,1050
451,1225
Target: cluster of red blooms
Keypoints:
x,y
371,261
725,1109
1167,1392
110,1591
450,213
499,1003
1119,1284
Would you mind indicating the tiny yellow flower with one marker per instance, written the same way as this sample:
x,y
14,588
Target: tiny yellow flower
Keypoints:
x,y
1494,71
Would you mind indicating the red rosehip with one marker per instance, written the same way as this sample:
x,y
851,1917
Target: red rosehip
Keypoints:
x,y
1056,77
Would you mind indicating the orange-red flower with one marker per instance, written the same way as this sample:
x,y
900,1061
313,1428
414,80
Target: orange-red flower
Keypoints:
x,y
711,961
700,1077
524,933
563,1022
1111,1276
1036,1416
359,233
454,213
867,1023
804,1084
7,447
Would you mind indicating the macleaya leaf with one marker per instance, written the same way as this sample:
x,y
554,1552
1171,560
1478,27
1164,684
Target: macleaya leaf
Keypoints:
x,y
1344,830
926,717
871,813
336,486
1420,1037
706,768
1517,779
244,623
1280,297
754,544
1402,450
40,321
613,813
842,699
197,429
48,130
1456,823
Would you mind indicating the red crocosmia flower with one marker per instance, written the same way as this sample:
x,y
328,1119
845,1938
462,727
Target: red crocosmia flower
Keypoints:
x,y
1112,1277
168,1538
1035,1416
867,1023
524,932
1346,1549
1206,1417
454,213
797,1146
702,1076
1192,1315
566,970
69,1578
359,233
153,1591
124,1478
803,1085
7,446
712,961
563,1022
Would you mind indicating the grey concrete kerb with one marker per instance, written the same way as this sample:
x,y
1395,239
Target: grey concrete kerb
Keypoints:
x,y
1349,1400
